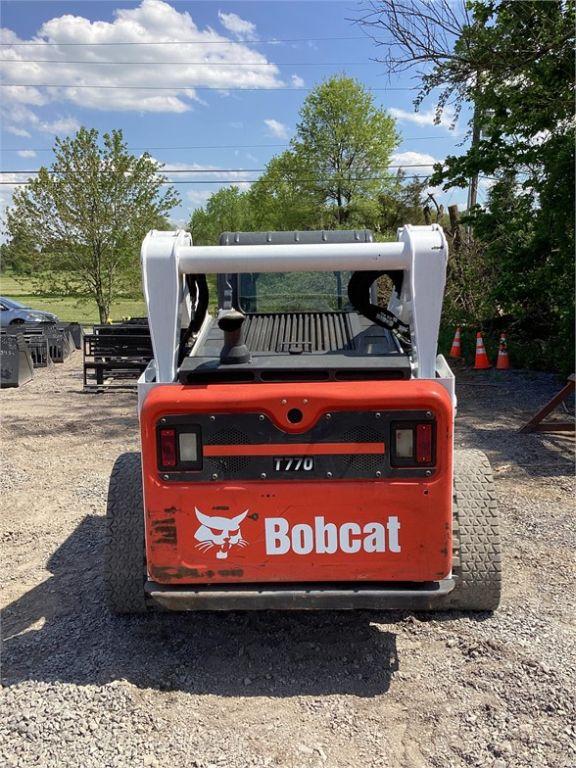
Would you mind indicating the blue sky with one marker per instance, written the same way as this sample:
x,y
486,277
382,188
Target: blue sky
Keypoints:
x,y
218,52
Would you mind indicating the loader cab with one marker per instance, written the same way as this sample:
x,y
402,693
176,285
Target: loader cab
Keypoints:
x,y
295,326
289,291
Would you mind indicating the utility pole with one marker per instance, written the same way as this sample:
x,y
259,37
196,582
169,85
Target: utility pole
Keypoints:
x,y
476,134
473,187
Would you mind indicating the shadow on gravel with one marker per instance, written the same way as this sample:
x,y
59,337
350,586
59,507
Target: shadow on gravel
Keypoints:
x,y
538,455
61,631
80,417
494,405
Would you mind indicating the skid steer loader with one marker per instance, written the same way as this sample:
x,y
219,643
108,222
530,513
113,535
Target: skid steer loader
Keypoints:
x,y
297,445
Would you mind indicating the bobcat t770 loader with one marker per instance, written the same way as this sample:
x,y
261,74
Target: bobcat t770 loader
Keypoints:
x,y
297,445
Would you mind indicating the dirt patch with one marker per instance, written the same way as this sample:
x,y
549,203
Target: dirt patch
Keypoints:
x,y
287,690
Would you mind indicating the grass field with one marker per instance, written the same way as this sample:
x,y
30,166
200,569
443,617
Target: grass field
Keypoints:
x,y
67,308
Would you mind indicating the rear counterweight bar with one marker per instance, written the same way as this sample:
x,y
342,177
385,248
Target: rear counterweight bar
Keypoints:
x,y
301,257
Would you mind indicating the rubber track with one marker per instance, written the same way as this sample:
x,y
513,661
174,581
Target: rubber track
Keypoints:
x,y
477,554
124,553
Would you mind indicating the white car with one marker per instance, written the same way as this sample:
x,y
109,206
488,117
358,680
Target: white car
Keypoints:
x,y
14,313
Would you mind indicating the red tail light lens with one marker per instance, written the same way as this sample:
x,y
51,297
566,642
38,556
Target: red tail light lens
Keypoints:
x,y
168,447
424,443
178,445
413,444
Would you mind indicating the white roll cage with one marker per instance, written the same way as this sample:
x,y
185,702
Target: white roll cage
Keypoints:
x,y
421,252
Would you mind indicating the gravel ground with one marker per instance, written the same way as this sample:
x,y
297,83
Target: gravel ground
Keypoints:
x,y
290,690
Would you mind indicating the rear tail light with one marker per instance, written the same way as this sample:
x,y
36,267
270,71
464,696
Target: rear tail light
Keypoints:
x,y
188,446
412,444
423,443
179,445
168,448
404,442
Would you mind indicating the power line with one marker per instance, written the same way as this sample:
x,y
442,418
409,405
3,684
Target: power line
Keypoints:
x,y
240,181
173,87
150,149
214,146
198,63
271,41
239,170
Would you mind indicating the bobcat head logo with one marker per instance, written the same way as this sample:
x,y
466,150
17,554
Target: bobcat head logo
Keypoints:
x,y
221,532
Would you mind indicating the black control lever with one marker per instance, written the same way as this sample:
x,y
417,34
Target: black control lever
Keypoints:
x,y
234,350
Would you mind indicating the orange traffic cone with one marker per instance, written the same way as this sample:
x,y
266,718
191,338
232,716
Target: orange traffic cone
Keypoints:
x,y
481,361
456,348
503,361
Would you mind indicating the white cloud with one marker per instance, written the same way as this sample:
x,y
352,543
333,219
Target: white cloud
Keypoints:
x,y
10,181
427,117
23,115
276,128
418,164
17,131
26,153
60,127
240,28
198,197
172,67
414,162
297,81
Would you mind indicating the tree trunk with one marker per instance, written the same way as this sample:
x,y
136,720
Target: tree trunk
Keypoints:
x,y
102,303
455,226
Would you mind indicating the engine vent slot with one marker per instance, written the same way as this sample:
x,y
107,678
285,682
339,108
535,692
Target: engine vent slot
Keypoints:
x,y
365,465
227,437
228,465
361,434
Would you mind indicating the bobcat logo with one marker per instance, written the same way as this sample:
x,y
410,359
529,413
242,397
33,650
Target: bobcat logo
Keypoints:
x,y
221,532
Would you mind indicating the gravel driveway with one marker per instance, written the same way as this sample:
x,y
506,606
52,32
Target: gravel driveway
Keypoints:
x,y
398,690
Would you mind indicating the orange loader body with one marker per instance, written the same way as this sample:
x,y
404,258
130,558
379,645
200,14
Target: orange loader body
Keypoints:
x,y
392,528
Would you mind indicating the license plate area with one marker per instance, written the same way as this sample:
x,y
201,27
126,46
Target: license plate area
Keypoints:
x,y
293,464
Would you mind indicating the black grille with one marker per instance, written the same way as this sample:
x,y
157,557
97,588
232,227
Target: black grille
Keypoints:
x,y
361,434
298,332
227,437
228,465
365,465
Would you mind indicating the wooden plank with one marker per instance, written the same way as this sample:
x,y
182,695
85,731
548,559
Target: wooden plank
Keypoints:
x,y
537,424
555,426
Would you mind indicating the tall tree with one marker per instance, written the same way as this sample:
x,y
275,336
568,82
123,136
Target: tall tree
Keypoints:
x,y
332,175
227,210
512,60
89,212
283,197
345,142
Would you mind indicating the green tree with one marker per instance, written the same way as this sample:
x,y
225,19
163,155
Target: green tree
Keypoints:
x,y
522,53
227,210
89,212
512,63
402,204
344,141
283,199
331,176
